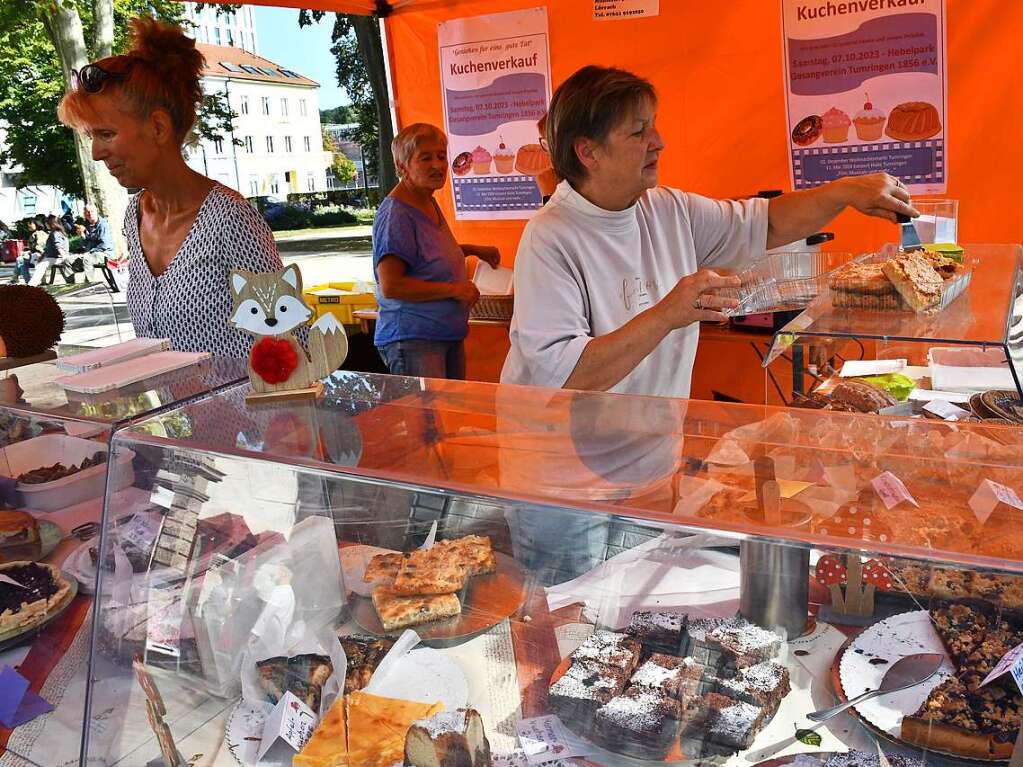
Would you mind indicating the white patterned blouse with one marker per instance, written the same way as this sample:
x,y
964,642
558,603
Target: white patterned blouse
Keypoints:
x,y
190,303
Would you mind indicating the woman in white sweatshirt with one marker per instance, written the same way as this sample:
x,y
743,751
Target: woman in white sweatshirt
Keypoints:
x,y
614,274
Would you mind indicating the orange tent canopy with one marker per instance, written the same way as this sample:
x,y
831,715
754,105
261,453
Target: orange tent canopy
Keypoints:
x,y
718,70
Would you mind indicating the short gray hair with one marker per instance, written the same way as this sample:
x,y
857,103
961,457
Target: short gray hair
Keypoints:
x,y
91,208
405,144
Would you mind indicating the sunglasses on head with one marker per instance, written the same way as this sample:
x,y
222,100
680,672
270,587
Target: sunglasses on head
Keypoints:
x,y
92,77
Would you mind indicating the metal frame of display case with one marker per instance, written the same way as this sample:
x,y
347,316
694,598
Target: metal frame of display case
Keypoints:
x,y
988,315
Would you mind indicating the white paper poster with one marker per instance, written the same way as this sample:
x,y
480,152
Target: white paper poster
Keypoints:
x,y
616,10
866,89
495,82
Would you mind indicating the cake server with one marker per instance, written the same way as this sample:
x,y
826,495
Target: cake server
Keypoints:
x,y
905,673
910,239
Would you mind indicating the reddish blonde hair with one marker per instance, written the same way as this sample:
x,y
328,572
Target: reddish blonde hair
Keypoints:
x,y
163,72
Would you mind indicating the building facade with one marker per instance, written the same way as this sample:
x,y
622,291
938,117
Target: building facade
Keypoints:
x,y
237,29
342,135
277,145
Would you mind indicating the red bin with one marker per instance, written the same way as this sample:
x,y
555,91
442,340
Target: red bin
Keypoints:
x,y
10,250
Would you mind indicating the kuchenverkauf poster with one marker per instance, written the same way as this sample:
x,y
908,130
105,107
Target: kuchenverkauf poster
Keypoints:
x,y
866,90
496,84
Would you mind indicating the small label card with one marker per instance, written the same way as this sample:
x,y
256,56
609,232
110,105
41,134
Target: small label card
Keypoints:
x,y
989,496
855,368
545,738
928,395
292,722
1012,662
892,490
945,409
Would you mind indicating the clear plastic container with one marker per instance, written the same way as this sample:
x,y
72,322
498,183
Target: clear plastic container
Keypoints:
x,y
783,281
938,221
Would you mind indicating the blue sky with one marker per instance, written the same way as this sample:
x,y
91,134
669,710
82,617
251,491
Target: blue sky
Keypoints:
x,y
306,49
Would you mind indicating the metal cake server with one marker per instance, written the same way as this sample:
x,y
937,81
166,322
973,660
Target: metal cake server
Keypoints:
x,y
910,240
905,673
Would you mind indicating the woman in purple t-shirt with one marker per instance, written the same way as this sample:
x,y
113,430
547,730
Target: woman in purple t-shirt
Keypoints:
x,y
422,289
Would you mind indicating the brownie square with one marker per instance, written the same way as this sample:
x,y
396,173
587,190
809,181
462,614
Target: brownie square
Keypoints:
x,y
764,684
577,695
697,646
607,648
744,643
731,725
640,723
666,674
658,631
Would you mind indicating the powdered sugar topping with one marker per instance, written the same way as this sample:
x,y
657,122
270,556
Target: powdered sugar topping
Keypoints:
x,y
456,721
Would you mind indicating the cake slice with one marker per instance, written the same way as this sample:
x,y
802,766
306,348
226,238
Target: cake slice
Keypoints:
x,y
431,571
377,727
608,648
577,695
397,611
915,280
961,629
731,724
697,646
658,631
328,747
475,551
639,723
383,568
672,676
19,537
449,739
743,643
764,685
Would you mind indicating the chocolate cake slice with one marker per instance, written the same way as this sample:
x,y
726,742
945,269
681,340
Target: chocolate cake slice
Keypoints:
x,y
696,634
743,643
764,684
577,695
607,648
731,724
658,631
640,723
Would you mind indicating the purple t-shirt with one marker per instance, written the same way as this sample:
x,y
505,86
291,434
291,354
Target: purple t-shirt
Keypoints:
x,y
430,253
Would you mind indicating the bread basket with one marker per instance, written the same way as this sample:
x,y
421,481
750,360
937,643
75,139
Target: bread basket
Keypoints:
x,y
493,307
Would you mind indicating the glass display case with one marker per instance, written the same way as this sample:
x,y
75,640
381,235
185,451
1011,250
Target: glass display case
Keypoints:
x,y
969,345
670,580
54,451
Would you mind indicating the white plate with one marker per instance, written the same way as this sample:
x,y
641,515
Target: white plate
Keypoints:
x,y
245,723
891,639
424,675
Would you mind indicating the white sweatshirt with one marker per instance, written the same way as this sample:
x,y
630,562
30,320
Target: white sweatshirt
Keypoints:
x,y
582,272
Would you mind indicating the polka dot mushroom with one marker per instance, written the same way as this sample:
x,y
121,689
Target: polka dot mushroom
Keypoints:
x,y
875,576
831,572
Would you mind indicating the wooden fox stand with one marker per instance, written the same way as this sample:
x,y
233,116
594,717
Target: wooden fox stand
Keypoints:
x,y
270,307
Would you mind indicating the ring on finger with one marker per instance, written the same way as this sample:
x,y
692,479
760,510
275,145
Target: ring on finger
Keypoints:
x,y
698,303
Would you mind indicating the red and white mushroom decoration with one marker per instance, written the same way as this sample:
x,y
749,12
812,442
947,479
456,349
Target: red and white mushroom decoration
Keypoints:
x,y
876,576
831,572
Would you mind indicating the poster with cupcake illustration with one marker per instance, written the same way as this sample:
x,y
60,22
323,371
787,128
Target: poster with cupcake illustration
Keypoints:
x,y
866,86
496,84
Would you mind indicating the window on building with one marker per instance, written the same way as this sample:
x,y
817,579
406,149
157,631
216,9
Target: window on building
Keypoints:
x,y
253,186
274,186
230,67
248,145
284,107
270,143
230,36
303,107
307,143
287,143
266,105
243,105
216,34
310,182
218,145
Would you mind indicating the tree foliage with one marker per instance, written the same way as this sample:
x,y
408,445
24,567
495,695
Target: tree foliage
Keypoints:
x,y
32,84
344,169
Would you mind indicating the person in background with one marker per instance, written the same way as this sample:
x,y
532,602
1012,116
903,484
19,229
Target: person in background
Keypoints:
x,y
422,288
185,233
56,253
36,239
99,247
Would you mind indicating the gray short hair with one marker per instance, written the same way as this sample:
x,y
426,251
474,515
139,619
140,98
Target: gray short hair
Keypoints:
x,y
91,208
405,144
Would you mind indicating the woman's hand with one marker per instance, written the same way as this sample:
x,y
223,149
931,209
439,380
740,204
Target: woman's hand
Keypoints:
x,y
877,194
486,253
466,293
693,299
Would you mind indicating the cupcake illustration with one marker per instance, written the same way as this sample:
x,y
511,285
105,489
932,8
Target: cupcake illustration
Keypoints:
x,y
481,161
869,122
836,126
504,159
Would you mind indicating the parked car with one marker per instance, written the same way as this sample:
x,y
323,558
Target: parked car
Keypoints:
x,y
267,204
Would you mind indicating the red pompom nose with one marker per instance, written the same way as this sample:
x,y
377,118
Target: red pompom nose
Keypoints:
x,y
273,360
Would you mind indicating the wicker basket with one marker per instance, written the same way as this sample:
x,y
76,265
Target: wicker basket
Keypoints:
x,y
493,307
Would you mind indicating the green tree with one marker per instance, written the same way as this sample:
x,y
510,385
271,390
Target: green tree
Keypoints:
x,y
344,169
359,53
41,41
343,114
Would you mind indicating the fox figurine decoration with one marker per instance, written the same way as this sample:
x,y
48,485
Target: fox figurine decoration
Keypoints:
x,y
270,307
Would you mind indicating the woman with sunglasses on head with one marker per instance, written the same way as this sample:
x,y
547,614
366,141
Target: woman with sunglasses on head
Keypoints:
x,y
185,232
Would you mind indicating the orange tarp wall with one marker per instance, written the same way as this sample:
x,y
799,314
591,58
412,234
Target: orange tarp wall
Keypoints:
x,y
718,69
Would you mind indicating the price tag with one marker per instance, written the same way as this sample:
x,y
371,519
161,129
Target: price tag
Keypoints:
x,y
291,721
945,409
1012,662
855,368
545,738
891,490
927,395
989,495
